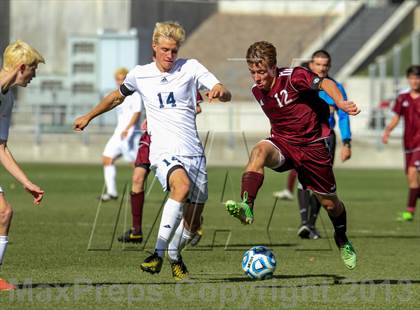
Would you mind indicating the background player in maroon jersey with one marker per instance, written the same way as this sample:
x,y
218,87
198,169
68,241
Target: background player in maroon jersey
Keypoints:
x,y
407,105
299,127
140,172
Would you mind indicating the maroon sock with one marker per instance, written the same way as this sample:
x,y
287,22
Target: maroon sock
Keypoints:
x,y
251,183
291,179
413,194
137,201
340,227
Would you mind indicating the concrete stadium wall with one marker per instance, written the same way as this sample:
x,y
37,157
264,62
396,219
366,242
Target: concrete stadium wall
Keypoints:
x,y
223,149
47,24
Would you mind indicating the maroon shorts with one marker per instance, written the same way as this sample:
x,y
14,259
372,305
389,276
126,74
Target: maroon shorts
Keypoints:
x,y
142,159
412,160
312,163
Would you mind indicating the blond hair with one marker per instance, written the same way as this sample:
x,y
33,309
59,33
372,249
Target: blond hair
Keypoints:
x,y
169,30
121,71
20,52
262,52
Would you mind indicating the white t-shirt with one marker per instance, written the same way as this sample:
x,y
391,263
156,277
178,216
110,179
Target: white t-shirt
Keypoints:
x,y
170,101
125,111
6,106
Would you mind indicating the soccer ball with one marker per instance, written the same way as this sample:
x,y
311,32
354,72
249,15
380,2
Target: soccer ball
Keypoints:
x,y
259,263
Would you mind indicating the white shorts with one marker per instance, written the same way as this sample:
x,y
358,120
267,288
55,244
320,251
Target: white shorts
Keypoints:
x,y
195,166
1,190
128,147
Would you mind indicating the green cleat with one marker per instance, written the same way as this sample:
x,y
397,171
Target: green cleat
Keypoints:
x,y
348,255
152,264
405,216
240,210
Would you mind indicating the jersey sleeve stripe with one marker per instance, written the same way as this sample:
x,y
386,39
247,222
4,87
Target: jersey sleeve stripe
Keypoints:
x,y
125,91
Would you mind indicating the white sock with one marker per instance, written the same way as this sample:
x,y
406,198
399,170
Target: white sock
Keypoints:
x,y
110,172
3,245
180,239
171,217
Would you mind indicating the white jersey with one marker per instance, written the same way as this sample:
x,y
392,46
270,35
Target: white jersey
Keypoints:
x,y
6,106
170,101
125,111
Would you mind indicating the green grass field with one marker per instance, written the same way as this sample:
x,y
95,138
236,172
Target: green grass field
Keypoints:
x,y
48,252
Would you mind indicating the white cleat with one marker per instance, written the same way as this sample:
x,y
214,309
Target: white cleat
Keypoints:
x,y
283,195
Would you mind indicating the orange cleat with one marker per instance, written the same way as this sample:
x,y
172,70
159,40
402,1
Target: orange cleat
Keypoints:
x,y
6,286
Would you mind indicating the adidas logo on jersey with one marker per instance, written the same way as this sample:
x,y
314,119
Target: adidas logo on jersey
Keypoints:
x,y
405,104
163,80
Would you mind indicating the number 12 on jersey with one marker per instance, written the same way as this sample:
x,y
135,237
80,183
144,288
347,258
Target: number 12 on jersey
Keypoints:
x,y
167,98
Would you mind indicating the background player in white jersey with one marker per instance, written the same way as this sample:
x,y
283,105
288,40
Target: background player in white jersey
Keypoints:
x,y
168,88
123,141
20,62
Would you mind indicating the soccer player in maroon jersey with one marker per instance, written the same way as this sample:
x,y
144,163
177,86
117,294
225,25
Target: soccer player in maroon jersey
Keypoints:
x,y
140,172
299,128
407,105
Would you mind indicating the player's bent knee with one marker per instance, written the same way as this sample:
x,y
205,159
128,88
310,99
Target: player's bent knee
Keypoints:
x,y
138,181
330,203
6,215
258,156
180,189
106,161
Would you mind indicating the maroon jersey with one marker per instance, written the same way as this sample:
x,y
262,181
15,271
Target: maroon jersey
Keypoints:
x,y
409,109
296,113
199,98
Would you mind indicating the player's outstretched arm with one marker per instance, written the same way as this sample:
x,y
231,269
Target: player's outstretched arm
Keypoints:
x,y
392,124
8,162
333,91
107,103
219,91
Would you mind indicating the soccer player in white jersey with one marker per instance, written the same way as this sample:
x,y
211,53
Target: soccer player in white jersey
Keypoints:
x,y
168,89
123,141
20,62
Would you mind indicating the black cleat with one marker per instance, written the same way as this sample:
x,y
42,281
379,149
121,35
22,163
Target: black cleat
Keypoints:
x,y
152,264
179,270
314,234
130,237
304,232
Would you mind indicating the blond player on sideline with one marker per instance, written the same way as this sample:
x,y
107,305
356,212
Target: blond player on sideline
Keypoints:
x,y
20,62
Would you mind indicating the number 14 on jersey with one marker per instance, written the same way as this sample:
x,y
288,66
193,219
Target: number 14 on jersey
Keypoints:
x,y
166,98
